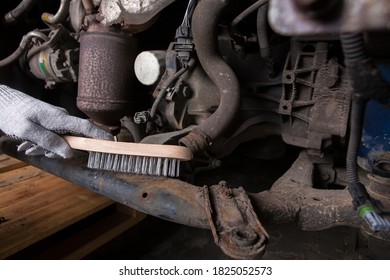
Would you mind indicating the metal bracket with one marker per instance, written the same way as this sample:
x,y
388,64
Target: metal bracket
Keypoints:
x,y
234,224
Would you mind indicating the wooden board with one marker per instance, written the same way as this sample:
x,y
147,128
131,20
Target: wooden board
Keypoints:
x,y
35,205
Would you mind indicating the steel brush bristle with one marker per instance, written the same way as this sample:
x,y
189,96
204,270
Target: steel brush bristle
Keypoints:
x,y
169,167
138,158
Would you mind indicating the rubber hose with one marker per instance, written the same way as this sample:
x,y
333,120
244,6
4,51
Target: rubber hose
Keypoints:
x,y
20,10
354,51
353,47
23,46
251,9
204,29
262,35
356,126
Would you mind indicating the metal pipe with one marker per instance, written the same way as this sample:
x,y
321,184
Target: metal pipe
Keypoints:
x,y
60,16
23,46
204,29
88,5
168,199
19,11
180,202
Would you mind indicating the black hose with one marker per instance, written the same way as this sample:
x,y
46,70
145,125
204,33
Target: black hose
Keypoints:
x,y
356,126
353,47
354,51
23,46
251,9
19,11
355,54
204,29
262,34
11,58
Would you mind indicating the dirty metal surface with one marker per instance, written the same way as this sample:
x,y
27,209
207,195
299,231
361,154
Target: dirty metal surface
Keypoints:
x,y
290,18
234,224
316,97
291,198
106,74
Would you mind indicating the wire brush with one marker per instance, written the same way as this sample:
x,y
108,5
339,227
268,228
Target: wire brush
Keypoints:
x,y
138,158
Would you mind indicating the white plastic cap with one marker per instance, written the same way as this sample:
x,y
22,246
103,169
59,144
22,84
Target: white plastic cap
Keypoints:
x,y
149,66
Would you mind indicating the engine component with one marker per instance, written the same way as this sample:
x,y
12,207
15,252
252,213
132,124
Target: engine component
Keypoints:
x,y
60,16
77,14
366,85
130,12
234,223
206,16
149,66
316,97
106,74
320,17
25,43
19,11
55,61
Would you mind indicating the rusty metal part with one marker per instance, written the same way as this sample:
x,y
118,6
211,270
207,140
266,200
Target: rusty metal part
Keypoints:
x,y
130,12
316,96
300,17
204,28
166,198
234,224
291,198
106,74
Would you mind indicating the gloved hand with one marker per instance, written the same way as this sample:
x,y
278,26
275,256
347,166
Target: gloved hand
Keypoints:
x,y
25,118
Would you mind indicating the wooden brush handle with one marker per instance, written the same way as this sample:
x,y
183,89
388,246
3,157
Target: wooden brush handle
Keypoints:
x,y
127,148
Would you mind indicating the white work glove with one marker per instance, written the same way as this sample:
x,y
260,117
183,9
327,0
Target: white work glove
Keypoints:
x,y
38,124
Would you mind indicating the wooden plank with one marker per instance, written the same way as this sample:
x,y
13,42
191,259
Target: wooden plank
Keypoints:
x,y
36,201
36,204
18,175
25,191
91,238
18,234
8,163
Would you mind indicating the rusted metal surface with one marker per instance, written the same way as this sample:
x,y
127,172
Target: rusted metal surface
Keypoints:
x,y
105,74
293,198
316,96
234,224
228,212
166,198
316,17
